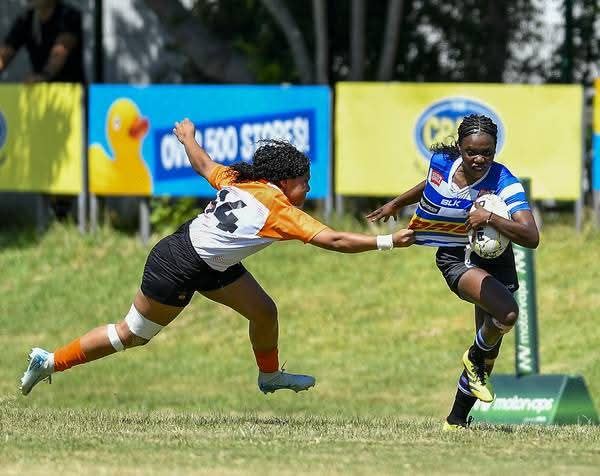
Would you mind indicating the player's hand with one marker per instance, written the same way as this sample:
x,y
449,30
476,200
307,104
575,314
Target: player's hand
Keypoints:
x,y
385,212
184,130
403,238
477,218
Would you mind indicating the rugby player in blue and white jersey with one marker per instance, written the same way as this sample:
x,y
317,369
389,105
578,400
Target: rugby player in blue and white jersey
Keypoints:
x,y
457,175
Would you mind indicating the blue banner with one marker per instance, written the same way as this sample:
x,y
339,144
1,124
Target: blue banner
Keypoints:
x,y
596,138
596,163
134,152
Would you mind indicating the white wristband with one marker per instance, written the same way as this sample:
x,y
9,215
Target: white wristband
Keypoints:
x,y
385,242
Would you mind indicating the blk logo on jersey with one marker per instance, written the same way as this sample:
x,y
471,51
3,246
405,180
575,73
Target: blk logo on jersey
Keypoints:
x,y
447,202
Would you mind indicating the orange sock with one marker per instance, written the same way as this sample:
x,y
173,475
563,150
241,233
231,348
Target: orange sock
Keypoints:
x,y
68,356
267,360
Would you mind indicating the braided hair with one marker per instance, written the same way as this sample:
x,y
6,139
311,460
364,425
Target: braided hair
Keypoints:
x,y
274,160
472,124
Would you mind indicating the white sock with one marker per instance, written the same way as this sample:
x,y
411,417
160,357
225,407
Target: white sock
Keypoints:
x,y
50,362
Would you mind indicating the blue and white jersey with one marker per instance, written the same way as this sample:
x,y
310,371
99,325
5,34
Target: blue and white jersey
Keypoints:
x,y
440,217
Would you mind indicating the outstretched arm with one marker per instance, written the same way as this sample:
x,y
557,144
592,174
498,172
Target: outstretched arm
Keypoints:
x,y
347,242
390,209
200,160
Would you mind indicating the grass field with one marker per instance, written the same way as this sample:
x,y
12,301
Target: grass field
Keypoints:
x,y
375,329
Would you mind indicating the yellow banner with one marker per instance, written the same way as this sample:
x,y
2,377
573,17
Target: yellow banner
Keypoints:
x,y
384,130
41,138
596,140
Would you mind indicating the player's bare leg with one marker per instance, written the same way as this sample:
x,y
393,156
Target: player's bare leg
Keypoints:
x,y
249,299
482,289
145,319
464,398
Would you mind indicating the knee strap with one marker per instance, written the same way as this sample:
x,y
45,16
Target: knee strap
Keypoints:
x,y
140,326
114,338
503,328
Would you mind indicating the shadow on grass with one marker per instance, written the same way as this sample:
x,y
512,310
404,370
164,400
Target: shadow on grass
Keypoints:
x,y
20,237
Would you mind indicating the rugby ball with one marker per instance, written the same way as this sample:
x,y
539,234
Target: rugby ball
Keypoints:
x,y
486,241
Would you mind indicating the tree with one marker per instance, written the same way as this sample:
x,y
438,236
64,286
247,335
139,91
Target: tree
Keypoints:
x,y
321,42
294,37
209,53
577,58
390,40
357,40
273,41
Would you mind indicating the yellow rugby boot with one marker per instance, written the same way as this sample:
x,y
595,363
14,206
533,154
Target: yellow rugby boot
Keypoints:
x,y
479,380
457,426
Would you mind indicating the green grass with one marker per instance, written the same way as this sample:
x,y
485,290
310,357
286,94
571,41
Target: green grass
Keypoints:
x,y
170,442
373,328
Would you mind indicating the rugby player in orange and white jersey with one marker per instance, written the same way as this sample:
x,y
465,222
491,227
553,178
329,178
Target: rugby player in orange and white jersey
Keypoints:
x,y
256,205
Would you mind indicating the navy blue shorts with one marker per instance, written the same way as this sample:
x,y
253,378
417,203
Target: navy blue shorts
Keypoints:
x,y
174,271
451,262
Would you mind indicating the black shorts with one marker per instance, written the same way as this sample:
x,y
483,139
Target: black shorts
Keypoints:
x,y
451,262
174,271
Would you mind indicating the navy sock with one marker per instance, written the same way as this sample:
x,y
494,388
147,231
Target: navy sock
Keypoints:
x,y
463,404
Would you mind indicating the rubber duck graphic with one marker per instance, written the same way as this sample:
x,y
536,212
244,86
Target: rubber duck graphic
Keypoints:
x,y
126,173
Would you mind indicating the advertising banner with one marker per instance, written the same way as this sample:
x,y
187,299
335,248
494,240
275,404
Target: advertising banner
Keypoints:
x,y
527,359
596,140
553,399
132,150
41,138
384,132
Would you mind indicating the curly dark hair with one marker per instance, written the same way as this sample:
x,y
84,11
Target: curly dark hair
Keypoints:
x,y
274,160
472,124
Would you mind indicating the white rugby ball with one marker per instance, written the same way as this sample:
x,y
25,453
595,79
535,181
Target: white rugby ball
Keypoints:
x,y
486,241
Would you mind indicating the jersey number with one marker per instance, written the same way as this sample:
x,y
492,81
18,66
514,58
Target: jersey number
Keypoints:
x,y
224,211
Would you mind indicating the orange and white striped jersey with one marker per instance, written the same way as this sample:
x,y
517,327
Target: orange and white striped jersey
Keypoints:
x,y
244,218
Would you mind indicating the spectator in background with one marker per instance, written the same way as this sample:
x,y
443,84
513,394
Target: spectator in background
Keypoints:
x,y
51,32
